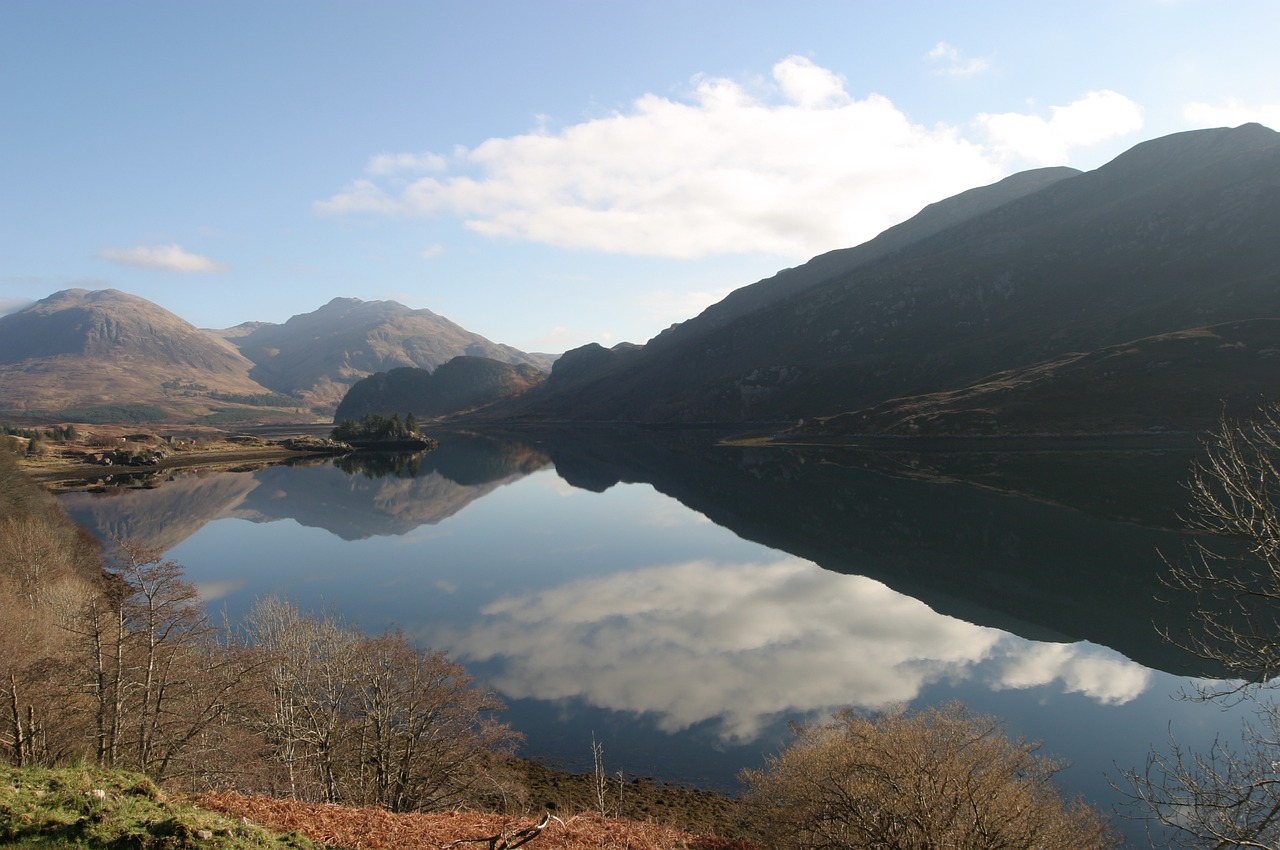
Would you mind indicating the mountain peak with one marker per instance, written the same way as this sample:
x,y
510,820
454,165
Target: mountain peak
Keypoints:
x,y
1189,151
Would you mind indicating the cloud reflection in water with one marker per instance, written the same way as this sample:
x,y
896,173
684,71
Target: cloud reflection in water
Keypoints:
x,y
740,644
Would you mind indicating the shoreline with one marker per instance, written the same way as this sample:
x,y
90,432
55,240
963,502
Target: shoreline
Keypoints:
x,y
68,471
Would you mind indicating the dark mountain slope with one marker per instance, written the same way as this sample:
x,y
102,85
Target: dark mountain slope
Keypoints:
x,y
1170,382
464,383
319,355
932,219
1174,234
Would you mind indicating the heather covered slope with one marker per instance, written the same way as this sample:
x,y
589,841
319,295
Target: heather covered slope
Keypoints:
x,y
82,348
1176,233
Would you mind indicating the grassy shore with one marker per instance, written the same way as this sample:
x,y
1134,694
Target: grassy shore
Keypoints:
x,y
70,465
87,807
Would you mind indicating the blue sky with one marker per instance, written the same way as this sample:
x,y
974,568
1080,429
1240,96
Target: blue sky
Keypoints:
x,y
554,173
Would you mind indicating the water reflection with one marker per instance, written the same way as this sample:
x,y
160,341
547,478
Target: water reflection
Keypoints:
x,y
685,600
381,494
1039,545
739,644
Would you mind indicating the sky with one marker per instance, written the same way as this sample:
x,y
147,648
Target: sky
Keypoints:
x,y
549,173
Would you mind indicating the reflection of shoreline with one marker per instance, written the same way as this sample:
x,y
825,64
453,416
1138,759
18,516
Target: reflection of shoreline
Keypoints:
x,y
77,476
354,496
738,645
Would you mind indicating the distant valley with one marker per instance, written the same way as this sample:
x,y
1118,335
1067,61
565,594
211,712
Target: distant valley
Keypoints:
x,y
1138,297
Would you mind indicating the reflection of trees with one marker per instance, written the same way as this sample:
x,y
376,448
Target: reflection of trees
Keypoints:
x,y
381,464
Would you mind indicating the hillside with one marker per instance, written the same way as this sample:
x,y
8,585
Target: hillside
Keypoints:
x,y
1175,234
319,355
462,384
1169,382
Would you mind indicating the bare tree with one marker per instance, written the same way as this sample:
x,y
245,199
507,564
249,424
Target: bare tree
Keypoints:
x,y
310,661
374,720
1233,568
1228,796
427,738
153,669
930,779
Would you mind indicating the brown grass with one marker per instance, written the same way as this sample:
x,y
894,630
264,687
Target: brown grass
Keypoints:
x,y
377,829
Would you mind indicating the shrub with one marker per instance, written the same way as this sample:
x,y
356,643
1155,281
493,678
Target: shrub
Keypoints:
x,y
935,778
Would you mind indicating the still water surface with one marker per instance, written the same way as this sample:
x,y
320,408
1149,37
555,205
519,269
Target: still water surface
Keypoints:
x,y
682,602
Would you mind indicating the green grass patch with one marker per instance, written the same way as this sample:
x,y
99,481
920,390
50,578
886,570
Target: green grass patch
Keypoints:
x,y
258,399
113,414
240,416
88,807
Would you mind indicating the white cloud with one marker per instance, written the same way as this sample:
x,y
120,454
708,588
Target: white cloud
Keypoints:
x,y
1096,117
167,257
805,169
954,64
789,169
692,643
432,251
1232,112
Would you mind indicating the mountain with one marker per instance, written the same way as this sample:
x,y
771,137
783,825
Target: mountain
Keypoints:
x,y
1175,234
93,356
319,355
462,384
103,349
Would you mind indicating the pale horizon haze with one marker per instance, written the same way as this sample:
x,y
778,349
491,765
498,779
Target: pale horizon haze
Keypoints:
x,y
549,174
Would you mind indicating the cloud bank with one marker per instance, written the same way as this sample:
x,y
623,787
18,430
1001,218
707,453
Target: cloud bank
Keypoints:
x,y
740,644
792,168
172,258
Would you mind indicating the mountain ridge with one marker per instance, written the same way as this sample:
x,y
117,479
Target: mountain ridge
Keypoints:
x,y
1176,233
110,353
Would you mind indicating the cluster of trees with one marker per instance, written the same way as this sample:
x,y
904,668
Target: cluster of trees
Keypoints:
x,y
36,437
375,720
257,399
57,432
373,426
122,666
